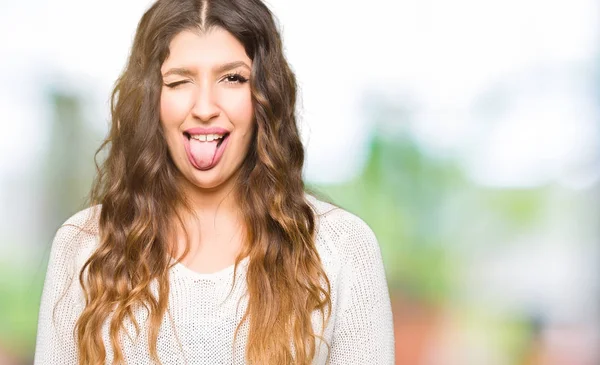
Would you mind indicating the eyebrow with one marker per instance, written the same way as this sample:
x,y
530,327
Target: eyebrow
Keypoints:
x,y
183,71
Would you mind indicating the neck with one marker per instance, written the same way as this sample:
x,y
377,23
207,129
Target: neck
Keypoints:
x,y
212,205
213,220
212,201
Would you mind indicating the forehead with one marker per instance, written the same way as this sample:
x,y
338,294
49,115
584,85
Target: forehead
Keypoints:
x,y
199,50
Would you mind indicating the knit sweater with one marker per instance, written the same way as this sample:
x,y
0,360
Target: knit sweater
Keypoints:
x,y
204,310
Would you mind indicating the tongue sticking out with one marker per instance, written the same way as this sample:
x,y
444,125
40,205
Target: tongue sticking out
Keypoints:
x,y
203,152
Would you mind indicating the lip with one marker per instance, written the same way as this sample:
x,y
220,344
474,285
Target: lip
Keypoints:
x,y
206,130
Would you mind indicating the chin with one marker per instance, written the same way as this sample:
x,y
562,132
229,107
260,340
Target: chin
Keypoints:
x,y
213,179
206,180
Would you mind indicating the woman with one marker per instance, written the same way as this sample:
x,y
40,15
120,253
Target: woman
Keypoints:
x,y
201,245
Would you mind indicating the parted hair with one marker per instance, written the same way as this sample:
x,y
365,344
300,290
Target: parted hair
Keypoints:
x,y
138,188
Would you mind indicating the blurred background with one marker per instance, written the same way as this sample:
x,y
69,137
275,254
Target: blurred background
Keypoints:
x,y
466,133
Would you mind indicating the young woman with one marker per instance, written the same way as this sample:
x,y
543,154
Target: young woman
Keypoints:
x,y
201,245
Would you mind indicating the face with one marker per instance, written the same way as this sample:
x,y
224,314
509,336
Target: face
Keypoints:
x,y
206,106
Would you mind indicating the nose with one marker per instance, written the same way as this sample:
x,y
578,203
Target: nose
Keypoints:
x,y
205,107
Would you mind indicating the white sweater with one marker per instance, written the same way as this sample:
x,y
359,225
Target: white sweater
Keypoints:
x,y
201,320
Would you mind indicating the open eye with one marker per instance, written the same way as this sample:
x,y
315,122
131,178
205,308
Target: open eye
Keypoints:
x,y
235,78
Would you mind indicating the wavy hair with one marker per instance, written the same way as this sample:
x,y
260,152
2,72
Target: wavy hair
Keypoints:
x,y
137,186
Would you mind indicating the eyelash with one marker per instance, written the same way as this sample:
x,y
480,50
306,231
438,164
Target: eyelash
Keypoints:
x,y
175,84
238,79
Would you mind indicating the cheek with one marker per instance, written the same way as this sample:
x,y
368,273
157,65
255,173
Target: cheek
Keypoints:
x,y
240,111
173,109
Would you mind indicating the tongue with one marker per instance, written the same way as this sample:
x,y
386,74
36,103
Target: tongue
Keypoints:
x,y
203,152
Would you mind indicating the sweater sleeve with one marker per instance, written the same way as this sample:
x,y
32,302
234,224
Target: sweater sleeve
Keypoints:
x,y
363,331
62,299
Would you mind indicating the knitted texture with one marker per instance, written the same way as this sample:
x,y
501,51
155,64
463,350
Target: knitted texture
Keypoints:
x,y
204,309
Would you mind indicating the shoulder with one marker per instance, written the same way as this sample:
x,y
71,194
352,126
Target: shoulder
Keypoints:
x,y
83,224
76,238
62,297
345,234
351,256
85,220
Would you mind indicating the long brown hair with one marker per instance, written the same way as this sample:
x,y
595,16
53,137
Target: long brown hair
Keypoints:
x,y
137,187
